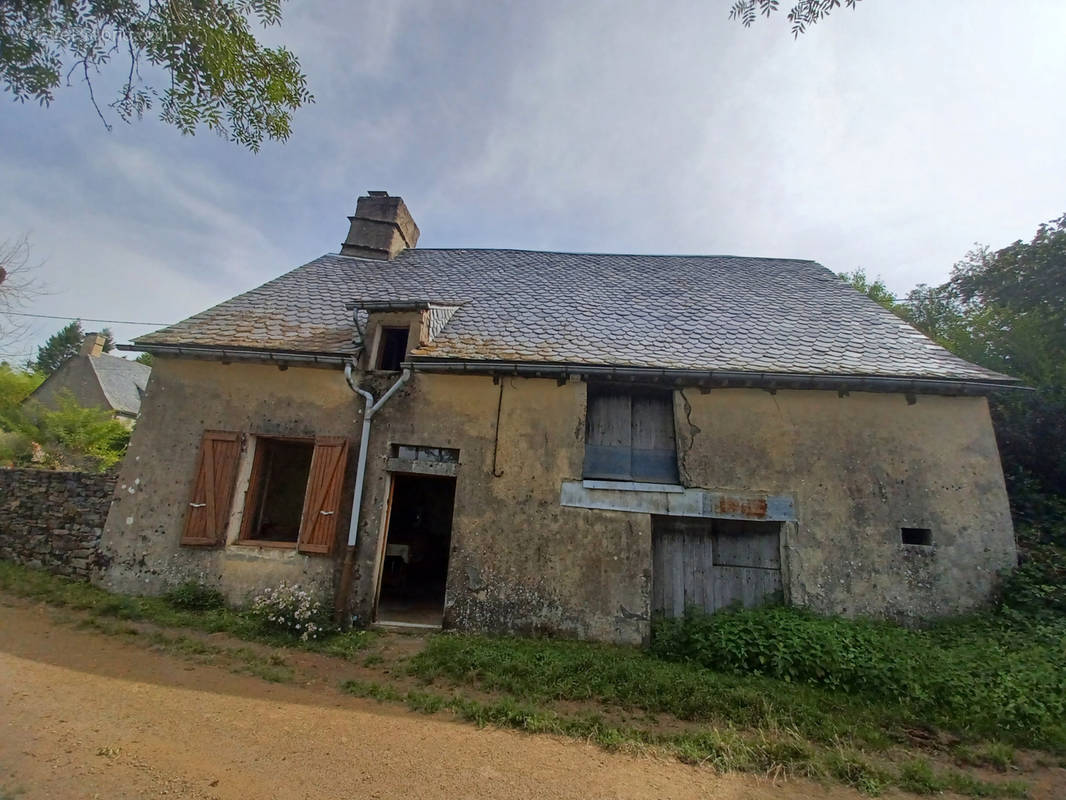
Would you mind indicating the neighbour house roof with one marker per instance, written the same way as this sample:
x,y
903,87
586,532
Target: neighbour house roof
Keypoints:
x,y
703,313
122,381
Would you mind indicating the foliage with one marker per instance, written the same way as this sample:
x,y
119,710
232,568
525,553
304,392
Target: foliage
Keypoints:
x,y
876,289
202,53
145,358
193,596
1006,310
289,609
63,344
993,675
66,437
801,15
73,436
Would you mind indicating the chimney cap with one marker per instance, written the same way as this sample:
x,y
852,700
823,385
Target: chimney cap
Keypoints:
x,y
378,193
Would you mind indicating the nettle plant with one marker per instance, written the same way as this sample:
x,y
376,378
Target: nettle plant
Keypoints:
x,y
289,609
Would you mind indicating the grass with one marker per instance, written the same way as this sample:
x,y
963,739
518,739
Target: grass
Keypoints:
x,y
98,603
542,671
780,754
241,660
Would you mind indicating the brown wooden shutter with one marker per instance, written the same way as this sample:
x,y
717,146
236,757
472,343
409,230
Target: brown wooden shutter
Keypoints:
x,y
322,500
216,473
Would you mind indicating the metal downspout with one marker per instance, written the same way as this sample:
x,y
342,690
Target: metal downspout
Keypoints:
x,y
370,408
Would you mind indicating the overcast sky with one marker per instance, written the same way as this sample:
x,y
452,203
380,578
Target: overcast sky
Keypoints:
x,y
891,138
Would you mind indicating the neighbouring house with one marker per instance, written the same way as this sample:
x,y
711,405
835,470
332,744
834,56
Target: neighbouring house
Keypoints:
x,y
562,443
95,379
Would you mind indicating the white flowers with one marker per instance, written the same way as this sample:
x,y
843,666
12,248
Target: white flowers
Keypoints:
x,y
289,608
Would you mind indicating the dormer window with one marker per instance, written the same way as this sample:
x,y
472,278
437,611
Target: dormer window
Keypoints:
x,y
393,348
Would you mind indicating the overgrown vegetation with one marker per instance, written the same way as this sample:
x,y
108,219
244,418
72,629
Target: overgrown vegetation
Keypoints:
x,y
994,675
68,436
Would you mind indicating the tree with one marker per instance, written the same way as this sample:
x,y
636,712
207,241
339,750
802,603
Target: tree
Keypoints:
x,y
145,358
202,53
802,14
63,344
1006,310
16,285
875,289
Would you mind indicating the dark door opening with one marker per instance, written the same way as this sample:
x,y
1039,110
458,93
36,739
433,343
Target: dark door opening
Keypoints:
x,y
417,543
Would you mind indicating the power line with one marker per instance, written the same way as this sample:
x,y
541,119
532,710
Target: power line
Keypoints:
x,y
85,319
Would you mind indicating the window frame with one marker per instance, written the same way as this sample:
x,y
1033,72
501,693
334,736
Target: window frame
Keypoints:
x,y
330,486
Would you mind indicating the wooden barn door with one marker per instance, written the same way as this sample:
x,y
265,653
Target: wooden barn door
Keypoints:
x,y
713,564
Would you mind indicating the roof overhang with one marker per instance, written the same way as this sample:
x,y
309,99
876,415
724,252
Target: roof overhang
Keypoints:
x,y
245,354
716,378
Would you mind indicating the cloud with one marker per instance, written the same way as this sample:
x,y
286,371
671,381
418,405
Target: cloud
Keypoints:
x,y
891,137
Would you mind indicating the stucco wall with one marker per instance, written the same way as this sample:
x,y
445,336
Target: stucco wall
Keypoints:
x,y
184,398
520,562
856,467
860,467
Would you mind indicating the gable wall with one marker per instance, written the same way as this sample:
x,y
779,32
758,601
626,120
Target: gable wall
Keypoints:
x,y
77,376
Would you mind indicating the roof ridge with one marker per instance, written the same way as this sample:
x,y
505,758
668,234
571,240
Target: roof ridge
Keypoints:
x,y
584,253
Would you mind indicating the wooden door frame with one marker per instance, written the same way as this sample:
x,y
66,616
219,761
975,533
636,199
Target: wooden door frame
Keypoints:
x,y
386,520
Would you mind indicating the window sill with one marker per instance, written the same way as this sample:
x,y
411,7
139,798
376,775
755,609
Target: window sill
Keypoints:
x,y
265,543
632,486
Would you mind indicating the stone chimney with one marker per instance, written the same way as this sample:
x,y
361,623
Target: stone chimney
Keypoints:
x,y
92,344
381,228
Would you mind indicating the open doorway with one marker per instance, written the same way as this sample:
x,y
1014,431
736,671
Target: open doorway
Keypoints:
x,y
417,543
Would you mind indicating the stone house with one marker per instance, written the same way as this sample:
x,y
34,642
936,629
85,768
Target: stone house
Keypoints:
x,y
95,379
563,443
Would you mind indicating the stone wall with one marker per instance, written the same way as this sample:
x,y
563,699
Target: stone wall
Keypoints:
x,y
53,520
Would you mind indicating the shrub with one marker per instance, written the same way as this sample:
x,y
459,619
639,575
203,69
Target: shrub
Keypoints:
x,y
193,596
992,675
289,610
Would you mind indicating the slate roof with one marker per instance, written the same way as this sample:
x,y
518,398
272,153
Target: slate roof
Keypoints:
x,y
123,381
684,312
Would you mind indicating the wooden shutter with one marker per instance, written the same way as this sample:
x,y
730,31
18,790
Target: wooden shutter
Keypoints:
x,y
609,435
654,447
322,500
216,473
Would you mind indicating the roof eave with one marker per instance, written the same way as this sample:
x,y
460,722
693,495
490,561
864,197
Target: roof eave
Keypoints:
x,y
245,354
718,378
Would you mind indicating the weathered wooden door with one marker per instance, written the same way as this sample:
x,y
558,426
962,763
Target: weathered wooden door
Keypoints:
x,y
713,564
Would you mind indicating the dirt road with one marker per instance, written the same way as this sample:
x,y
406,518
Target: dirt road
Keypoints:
x,y
85,715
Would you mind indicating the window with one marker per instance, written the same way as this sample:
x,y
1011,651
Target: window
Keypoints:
x,y
294,493
919,536
629,435
393,348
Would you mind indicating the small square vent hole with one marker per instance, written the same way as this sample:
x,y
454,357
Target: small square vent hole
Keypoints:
x,y
922,536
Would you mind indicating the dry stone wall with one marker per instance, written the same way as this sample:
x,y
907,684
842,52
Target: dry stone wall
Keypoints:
x,y
53,520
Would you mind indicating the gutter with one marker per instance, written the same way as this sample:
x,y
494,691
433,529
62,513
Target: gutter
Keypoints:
x,y
370,408
720,378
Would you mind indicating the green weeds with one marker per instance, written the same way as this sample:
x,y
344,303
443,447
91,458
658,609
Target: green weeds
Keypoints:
x,y
188,606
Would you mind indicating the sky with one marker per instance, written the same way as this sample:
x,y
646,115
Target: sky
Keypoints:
x,y
892,138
